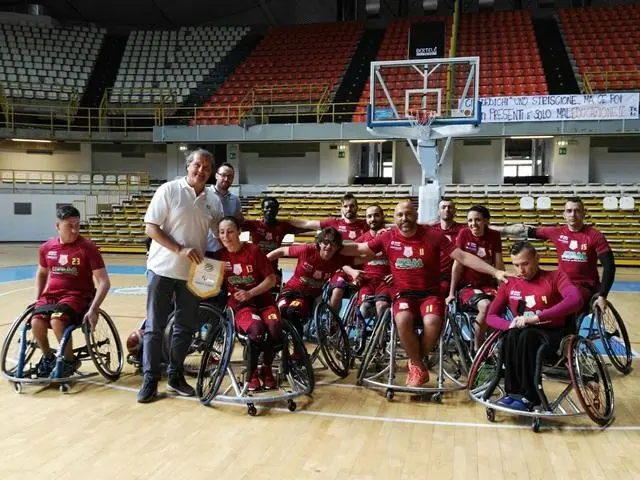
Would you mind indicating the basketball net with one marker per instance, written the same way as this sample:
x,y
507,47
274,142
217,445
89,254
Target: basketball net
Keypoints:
x,y
421,120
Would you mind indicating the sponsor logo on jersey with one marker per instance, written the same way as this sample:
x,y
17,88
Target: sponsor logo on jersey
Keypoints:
x,y
64,270
409,263
52,254
267,246
579,257
237,280
515,295
379,261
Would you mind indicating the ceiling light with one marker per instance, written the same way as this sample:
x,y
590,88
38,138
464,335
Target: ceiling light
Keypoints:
x,y
368,141
530,137
31,140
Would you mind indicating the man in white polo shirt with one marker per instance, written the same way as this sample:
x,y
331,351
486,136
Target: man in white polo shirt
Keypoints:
x,y
180,215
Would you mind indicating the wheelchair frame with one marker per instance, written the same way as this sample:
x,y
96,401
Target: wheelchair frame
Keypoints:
x,y
357,327
220,343
564,405
324,328
385,343
22,374
597,330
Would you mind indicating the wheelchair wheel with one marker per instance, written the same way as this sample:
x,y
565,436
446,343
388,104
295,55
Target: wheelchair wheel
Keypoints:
x,y
332,339
216,356
15,355
374,352
354,325
483,370
295,359
591,380
206,316
615,338
457,356
105,347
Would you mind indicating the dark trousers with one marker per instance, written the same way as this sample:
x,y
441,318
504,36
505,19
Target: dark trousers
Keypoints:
x,y
520,349
161,292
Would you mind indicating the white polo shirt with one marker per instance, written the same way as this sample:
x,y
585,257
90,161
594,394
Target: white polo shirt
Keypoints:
x,y
185,218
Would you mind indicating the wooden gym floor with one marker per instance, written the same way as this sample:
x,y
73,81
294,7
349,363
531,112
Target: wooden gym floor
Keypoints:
x,y
98,430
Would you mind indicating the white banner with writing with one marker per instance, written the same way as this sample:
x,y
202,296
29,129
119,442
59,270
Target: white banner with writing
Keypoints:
x,y
556,108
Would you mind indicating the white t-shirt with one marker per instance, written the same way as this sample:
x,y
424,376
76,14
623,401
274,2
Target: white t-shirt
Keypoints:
x,y
185,218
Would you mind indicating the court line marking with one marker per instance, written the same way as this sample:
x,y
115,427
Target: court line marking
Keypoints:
x,y
15,291
361,417
371,418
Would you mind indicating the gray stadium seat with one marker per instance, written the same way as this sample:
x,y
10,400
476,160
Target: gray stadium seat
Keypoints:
x,y
171,63
35,58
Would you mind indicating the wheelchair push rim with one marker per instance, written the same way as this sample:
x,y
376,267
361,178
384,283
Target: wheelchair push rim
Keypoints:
x,y
332,339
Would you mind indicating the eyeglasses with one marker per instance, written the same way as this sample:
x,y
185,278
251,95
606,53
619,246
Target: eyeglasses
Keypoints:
x,y
224,175
328,243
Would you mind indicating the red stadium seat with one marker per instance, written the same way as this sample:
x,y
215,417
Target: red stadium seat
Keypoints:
x,y
595,40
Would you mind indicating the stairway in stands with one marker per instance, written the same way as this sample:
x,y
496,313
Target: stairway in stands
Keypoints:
x,y
355,78
555,61
102,77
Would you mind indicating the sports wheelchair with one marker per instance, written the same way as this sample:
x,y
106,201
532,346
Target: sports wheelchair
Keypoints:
x,y
292,367
379,367
327,332
607,329
101,345
206,315
576,366
358,321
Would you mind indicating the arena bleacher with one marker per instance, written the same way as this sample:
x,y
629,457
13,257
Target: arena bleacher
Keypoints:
x,y
605,43
43,65
506,43
283,69
167,65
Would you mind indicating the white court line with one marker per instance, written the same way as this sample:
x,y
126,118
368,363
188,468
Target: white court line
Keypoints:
x,y
368,417
15,291
410,421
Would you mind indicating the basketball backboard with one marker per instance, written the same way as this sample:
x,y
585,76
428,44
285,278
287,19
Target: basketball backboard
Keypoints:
x,y
403,90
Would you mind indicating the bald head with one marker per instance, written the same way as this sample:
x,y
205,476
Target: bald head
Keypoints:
x,y
406,218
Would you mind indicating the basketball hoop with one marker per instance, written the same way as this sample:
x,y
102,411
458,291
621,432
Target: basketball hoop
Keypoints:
x,y
421,120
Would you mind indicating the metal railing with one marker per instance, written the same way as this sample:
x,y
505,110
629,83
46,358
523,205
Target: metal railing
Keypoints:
x,y
52,118
597,81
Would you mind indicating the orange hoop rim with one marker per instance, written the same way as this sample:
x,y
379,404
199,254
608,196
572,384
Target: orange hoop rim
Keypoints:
x,y
423,116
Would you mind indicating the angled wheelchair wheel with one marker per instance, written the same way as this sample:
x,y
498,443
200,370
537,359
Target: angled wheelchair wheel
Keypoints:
x,y
484,367
355,327
614,337
591,380
17,354
215,359
207,315
458,356
105,347
374,352
295,359
332,339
